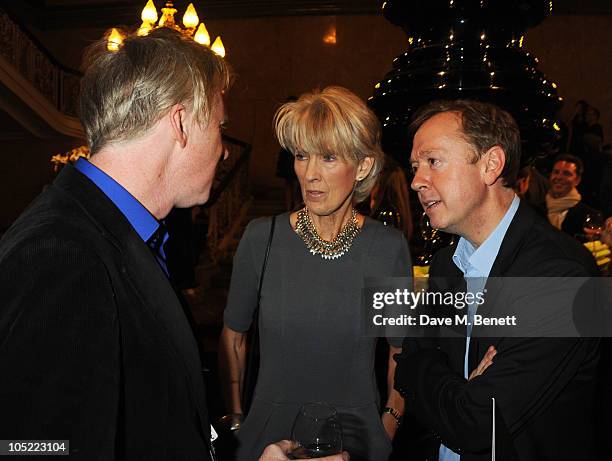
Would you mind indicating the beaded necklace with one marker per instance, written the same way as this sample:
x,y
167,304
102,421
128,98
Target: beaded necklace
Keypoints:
x,y
334,249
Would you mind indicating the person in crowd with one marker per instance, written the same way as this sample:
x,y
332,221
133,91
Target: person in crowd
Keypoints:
x,y
577,128
532,187
284,170
96,349
564,205
389,200
592,157
605,185
593,133
465,158
309,317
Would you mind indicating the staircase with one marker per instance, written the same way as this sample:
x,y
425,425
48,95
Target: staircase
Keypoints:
x,y
36,90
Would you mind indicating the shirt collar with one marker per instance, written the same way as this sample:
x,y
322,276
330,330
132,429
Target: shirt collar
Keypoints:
x,y
477,262
143,222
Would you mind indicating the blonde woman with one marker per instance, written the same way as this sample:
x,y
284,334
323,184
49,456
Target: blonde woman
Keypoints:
x,y
312,348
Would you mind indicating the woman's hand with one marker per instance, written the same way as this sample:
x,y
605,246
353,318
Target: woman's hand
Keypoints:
x,y
390,425
278,452
395,400
485,363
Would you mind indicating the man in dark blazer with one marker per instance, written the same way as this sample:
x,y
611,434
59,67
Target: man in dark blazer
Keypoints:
x,y
465,157
95,348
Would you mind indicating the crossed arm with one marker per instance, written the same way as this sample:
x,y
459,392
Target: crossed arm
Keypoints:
x,y
459,410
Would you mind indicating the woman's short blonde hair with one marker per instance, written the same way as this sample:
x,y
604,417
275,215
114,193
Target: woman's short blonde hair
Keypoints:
x,y
332,121
125,92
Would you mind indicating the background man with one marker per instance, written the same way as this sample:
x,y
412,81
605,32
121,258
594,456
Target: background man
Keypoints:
x,y
465,158
563,201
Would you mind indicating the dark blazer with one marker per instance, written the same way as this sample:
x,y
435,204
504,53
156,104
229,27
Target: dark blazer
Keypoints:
x,y
94,345
544,387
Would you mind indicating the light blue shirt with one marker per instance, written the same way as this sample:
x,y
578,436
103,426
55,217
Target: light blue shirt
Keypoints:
x,y
143,222
475,264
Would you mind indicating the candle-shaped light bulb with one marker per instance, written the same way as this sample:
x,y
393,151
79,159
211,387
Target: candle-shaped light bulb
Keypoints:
x,y
149,13
190,18
114,41
201,36
218,47
144,29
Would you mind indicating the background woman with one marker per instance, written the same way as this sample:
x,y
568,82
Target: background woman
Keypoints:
x,y
389,201
311,342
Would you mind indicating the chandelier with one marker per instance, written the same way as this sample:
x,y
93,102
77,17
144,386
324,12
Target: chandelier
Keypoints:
x,y
193,28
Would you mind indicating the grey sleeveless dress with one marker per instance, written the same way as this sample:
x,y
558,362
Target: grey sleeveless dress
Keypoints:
x,y
312,347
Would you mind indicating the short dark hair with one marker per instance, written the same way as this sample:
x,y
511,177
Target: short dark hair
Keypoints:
x,y
484,125
571,159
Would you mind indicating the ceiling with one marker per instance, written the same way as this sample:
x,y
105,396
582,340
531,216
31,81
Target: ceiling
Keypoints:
x,y
49,14
65,14
57,14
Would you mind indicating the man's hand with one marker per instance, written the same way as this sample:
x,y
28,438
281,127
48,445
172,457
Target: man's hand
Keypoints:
x,y
485,363
278,452
606,235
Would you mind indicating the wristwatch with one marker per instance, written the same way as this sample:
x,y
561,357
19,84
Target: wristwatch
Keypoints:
x,y
393,412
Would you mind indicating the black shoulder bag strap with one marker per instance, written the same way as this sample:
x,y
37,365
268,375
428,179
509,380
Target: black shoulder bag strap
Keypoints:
x,y
250,374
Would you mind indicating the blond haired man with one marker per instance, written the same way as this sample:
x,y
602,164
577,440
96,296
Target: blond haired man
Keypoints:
x,y
95,348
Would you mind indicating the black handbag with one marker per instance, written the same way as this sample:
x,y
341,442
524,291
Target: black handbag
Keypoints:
x,y
252,368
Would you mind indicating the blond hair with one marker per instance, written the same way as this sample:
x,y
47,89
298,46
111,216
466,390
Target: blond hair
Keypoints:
x,y
332,121
125,92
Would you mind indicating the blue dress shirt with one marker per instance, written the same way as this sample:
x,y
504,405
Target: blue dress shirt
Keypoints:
x,y
476,264
150,230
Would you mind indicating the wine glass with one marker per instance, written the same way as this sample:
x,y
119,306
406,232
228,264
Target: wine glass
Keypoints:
x,y
317,431
593,222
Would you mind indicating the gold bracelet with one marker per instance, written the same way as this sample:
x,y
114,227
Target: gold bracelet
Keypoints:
x,y
396,414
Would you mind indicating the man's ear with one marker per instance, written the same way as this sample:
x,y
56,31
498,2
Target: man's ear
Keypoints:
x,y
494,162
178,117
